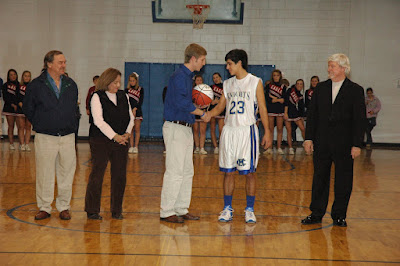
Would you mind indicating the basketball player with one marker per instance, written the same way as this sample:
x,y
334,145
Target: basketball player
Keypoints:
x,y
239,142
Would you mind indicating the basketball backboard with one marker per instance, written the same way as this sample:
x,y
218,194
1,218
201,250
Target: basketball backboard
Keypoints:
x,y
175,11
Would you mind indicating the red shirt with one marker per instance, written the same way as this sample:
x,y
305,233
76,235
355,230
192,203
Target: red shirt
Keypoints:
x,y
89,96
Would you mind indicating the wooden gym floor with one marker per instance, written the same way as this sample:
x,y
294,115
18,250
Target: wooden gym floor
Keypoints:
x,y
283,195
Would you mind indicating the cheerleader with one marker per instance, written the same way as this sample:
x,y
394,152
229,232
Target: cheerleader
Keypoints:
x,y
136,96
275,98
26,127
313,83
294,109
218,91
11,109
199,127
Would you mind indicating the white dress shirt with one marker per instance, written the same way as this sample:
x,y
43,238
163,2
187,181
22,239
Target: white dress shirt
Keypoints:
x,y
335,89
98,119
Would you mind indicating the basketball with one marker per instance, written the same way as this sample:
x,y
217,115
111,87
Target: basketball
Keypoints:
x,y
202,95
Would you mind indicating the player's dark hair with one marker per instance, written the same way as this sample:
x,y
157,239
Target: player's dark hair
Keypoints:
x,y
237,55
370,89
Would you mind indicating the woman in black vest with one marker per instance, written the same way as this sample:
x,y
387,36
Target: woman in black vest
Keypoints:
x,y
112,120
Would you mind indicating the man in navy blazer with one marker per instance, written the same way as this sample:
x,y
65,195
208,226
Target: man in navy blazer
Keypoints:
x,y
335,128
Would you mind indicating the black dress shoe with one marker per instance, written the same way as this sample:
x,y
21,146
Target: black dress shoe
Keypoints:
x,y
94,216
117,216
340,222
311,219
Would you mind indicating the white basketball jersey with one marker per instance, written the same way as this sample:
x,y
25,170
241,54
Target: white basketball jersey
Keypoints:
x,y
241,100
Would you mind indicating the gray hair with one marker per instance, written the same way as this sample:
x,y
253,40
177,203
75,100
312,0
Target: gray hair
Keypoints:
x,y
342,61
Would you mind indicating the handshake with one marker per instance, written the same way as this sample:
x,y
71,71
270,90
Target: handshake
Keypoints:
x,y
206,117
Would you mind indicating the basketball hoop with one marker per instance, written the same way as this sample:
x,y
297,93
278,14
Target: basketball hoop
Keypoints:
x,y
199,14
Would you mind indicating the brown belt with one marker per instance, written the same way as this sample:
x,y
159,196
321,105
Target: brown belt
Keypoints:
x,y
182,123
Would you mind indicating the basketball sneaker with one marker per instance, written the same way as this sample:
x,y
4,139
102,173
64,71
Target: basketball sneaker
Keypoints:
x,y
226,214
197,150
216,150
249,216
291,151
27,148
22,147
280,151
130,150
203,151
135,150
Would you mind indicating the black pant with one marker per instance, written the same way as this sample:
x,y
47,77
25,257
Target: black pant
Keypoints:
x,y
104,150
371,124
321,181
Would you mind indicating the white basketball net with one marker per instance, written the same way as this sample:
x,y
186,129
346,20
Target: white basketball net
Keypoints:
x,y
199,14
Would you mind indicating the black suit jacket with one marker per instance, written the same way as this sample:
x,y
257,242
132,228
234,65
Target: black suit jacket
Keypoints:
x,y
335,128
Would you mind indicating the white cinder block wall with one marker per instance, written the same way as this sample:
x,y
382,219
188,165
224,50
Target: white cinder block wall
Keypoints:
x,y
296,36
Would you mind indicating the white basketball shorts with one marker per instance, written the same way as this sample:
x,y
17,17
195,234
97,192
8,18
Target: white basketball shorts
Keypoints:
x,y
239,149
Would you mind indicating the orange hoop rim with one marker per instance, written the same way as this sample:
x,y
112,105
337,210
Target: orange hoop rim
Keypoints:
x,y
197,9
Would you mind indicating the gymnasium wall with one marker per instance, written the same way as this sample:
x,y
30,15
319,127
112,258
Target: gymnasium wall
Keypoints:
x,y
296,36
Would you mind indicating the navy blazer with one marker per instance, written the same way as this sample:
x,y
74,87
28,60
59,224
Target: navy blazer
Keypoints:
x,y
336,127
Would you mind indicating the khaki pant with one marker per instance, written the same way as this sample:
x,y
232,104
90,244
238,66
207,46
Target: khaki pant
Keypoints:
x,y
177,184
55,156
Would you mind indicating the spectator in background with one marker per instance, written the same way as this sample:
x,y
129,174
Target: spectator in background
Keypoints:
x,y
373,106
294,109
136,96
50,105
90,93
11,109
199,127
26,127
275,98
308,94
218,90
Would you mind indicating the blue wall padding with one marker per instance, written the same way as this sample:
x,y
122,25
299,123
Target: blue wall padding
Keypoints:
x,y
153,77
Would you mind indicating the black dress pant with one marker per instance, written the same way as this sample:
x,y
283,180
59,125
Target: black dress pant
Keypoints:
x,y
343,184
104,150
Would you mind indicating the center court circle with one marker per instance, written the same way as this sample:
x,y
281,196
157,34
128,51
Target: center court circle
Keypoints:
x,y
224,227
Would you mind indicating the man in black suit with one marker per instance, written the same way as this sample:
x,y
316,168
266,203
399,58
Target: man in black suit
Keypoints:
x,y
335,128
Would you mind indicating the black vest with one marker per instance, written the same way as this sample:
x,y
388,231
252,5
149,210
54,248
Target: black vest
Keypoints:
x,y
117,116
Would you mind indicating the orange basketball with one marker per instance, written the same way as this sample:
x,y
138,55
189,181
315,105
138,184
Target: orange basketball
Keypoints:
x,y
202,95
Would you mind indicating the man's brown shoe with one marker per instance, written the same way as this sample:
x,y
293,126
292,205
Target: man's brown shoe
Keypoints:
x,y
173,219
64,215
42,215
189,216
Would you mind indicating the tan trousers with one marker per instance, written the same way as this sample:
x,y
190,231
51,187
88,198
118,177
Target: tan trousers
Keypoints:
x,y
55,156
177,184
